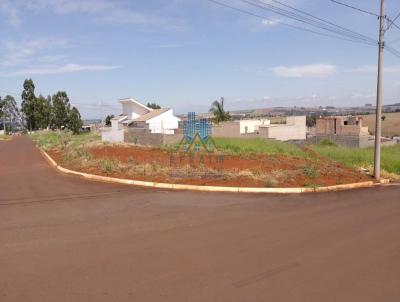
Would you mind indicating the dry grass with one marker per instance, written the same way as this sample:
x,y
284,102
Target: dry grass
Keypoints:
x,y
390,126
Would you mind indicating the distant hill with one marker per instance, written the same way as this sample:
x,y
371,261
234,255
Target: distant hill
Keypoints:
x,y
393,105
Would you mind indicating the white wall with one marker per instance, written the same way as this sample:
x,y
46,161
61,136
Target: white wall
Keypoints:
x,y
110,135
133,110
164,123
294,129
115,125
252,125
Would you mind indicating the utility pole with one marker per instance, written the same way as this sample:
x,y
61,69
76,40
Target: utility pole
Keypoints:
x,y
378,122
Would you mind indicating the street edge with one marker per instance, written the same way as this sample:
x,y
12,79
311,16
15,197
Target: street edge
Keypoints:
x,y
365,184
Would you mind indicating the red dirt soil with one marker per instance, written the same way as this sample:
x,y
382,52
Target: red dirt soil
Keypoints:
x,y
189,167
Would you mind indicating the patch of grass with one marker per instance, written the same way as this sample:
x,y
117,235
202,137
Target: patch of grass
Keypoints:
x,y
62,139
258,145
310,171
357,158
108,165
326,142
270,183
310,185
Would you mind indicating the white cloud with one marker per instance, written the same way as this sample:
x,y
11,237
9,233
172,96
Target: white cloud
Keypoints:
x,y
10,13
270,22
313,70
17,52
54,69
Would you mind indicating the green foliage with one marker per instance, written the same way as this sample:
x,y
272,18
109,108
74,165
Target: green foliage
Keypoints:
x,y
9,112
258,145
108,120
270,183
326,142
311,120
42,112
153,106
107,165
57,140
310,171
217,109
28,104
74,121
61,110
354,157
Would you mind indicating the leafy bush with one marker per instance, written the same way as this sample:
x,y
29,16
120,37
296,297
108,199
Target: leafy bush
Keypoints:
x,y
326,142
310,171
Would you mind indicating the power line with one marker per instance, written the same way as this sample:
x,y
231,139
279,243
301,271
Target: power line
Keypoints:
x,y
290,25
278,22
313,21
393,51
392,22
355,8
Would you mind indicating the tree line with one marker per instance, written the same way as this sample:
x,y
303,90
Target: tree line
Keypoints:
x,y
39,112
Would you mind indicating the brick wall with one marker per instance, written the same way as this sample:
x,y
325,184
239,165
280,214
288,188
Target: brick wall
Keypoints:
x,y
145,138
226,129
351,141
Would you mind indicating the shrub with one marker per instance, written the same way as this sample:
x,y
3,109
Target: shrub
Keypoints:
x,y
310,171
326,142
107,166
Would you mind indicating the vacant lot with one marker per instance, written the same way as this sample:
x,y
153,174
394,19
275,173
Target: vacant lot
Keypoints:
x,y
390,126
239,162
364,158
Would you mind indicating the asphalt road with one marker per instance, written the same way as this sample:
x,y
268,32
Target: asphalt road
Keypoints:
x,y
66,239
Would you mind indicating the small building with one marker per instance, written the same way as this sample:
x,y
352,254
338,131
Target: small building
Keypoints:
x,y
252,126
343,130
136,116
293,130
239,128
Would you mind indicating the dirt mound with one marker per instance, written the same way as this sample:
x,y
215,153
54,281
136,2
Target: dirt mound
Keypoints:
x,y
244,170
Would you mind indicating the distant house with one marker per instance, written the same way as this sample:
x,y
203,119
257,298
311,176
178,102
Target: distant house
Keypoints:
x,y
294,129
343,130
135,115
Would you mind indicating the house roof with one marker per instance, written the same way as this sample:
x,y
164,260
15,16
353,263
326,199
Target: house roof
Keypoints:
x,y
150,115
131,100
119,117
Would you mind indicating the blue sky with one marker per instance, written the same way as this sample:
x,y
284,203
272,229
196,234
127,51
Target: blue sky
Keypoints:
x,y
186,53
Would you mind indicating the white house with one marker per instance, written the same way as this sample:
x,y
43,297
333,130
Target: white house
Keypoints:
x,y
252,126
136,115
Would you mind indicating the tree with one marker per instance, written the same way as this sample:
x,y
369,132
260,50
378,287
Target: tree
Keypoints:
x,y
61,110
108,119
10,110
74,121
2,116
153,106
43,112
311,120
217,108
28,104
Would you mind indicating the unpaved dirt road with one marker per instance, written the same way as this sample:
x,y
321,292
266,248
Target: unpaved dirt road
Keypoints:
x,y
66,239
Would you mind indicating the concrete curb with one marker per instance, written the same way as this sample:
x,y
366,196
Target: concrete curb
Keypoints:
x,y
158,185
